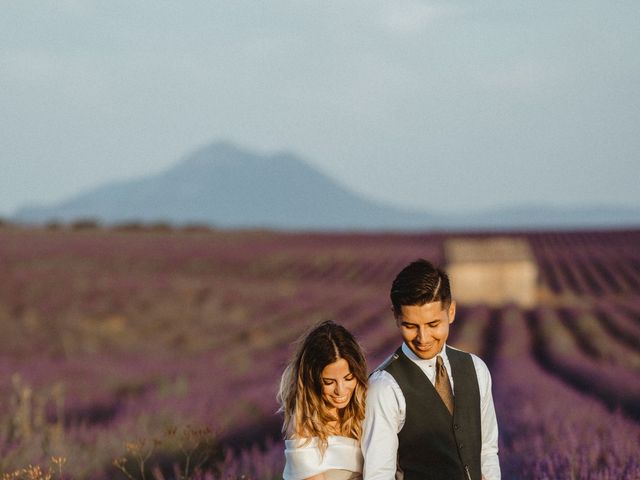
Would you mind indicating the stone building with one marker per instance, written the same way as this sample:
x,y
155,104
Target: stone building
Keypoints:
x,y
494,271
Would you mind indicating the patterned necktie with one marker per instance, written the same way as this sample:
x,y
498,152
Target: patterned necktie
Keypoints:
x,y
443,386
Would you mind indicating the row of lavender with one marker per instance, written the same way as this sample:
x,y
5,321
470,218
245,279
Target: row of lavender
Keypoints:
x,y
570,404
124,336
110,337
589,263
549,429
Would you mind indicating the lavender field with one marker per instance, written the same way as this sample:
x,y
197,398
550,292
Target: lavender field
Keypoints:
x,y
156,353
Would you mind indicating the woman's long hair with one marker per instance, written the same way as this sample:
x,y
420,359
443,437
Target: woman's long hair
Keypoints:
x,y
300,396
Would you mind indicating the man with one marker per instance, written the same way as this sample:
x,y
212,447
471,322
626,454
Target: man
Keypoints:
x,y
429,412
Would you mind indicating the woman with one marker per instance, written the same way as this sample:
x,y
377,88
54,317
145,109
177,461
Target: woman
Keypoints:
x,y
322,395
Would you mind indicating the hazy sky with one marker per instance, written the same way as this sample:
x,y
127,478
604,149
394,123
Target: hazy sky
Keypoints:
x,y
427,104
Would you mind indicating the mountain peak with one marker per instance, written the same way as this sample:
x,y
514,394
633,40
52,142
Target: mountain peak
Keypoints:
x,y
218,153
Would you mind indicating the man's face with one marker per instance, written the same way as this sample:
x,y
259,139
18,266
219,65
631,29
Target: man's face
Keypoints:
x,y
425,328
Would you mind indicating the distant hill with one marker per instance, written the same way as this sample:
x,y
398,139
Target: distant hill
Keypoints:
x,y
225,186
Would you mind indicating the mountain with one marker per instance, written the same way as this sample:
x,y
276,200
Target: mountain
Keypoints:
x,y
225,186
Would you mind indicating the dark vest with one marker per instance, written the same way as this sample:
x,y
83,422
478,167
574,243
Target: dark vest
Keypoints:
x,y
433,444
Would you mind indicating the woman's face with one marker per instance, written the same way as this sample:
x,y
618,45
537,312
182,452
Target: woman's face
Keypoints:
x,y
338,384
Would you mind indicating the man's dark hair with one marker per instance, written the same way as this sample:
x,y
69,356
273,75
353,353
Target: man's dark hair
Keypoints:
x,y
419,283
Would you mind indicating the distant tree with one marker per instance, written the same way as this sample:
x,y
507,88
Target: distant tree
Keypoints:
x,y
160,227
85,224
132,226
53,225
196,228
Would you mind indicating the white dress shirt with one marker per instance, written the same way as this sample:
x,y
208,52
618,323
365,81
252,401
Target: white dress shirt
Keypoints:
x,y
386,413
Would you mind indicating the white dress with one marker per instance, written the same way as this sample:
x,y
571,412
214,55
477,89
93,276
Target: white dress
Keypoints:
x,y
342,459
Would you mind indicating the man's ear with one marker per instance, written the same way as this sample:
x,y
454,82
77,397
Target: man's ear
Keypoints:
x,y
398,318
452,311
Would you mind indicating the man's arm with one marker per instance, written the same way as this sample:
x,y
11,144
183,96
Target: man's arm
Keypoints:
x,y
490,465
385,410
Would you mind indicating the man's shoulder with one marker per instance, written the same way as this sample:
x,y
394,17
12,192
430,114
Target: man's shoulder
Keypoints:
x,y
478,364
380,380
474,357
387,362
383,392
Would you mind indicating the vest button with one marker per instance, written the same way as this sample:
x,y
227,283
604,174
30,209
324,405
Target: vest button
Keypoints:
x,y
461,446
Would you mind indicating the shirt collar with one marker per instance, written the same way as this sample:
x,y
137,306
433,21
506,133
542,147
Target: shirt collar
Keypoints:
x,y
421,361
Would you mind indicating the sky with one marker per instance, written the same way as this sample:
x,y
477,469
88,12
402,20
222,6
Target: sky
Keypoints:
x,y
446,106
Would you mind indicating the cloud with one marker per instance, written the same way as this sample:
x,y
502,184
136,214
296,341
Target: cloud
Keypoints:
x,y
521,76
413,16
73,7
